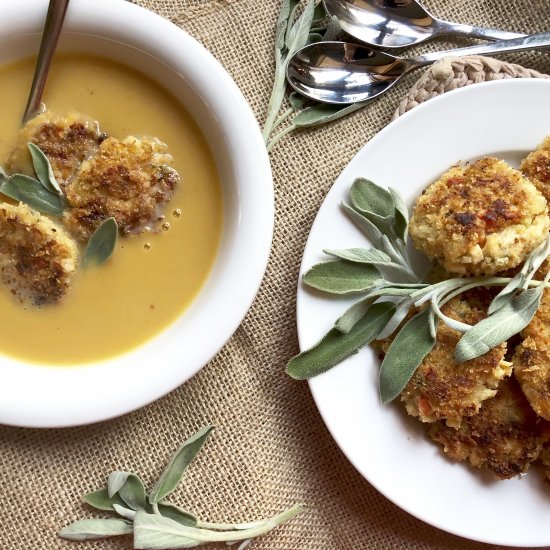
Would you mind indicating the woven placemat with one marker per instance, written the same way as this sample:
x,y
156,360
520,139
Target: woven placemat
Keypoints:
x,y
271,448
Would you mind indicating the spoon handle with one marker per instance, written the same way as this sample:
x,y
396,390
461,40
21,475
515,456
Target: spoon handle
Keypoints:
x,y
477,32
50,37
526,43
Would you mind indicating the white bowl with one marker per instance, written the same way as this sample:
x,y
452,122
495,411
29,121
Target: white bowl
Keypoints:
x,y
42,396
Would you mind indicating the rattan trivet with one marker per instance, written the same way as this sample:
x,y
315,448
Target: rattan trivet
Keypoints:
x,y
455,72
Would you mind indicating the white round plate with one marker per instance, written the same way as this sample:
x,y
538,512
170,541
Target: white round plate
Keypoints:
x,y
506,119
48,396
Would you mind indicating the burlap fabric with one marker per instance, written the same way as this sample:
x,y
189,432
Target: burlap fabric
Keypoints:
x,y
271,448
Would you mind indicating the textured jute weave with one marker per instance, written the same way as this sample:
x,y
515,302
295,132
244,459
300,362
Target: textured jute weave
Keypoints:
x,y
271,449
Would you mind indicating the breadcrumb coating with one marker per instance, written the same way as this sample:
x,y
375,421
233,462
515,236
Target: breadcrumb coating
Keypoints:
x,y
480,219
544,459
66,139
506,436
37,258
441,388
531,359
129,180
536,166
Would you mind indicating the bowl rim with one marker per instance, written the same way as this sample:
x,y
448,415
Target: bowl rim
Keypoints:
x,y
48,396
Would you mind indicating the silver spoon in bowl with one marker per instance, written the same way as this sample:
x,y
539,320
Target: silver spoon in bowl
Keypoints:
x,y
400,23
341,73
50,38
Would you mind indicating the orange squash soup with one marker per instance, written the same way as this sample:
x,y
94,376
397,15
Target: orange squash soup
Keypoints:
x,y
152,276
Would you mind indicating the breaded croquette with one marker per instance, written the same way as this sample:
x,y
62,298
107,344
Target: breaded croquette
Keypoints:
x,y
536,166
532,359
37,258
130,180
544,459
67,140
505,436
442,389
480,219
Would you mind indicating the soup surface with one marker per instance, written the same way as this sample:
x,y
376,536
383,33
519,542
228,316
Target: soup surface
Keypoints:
x,y
151,278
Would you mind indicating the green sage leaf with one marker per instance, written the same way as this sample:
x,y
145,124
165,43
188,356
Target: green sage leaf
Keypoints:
x,y
102,243
171,476
124,512
412,343
374,203
284,25
401,311
401,215
129,487
505,295
370,256
376,258
389,247
298,101
333,29
43,169
314,37
101,500
353,315
366,197
294,6
3,175
323,113
510,319
341,277
366,226
155,532
30,191
90,529
171,511
320,13
336,346
297,36
521,279
287,8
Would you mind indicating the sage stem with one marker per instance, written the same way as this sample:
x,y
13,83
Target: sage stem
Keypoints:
x,y
282,118
277,96
279,136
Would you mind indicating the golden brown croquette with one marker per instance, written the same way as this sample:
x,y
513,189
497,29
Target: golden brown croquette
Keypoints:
x,y
37,257
130,180
531,359
536,166
67,140
442,389
505,437
480,219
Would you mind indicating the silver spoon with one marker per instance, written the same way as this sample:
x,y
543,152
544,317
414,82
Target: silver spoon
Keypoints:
x,y
400,23
340,72
50,38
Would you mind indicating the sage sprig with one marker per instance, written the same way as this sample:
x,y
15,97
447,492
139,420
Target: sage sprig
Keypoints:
x,y
313,25
391,291
156,523
290,36
43,194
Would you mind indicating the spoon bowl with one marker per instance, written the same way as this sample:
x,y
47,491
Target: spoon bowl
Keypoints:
x,y
340,72
400,23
